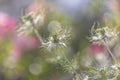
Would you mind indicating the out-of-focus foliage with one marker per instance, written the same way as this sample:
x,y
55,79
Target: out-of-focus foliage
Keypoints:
x,y
49,43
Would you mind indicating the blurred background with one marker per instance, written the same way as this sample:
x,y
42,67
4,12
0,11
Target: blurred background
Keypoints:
x,y
21,56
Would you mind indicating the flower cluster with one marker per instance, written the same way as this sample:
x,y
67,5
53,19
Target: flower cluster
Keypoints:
x,y
59,35
103,33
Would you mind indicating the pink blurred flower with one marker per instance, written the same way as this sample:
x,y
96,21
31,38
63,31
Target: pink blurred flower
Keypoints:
x,y
22,44
96,49
7,25
16,53
115,6
37,7
27,42
99,53
38,11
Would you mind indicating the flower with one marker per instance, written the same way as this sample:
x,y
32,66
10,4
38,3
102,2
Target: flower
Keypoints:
x,y
27,42
37,10
37,7
20,45
7,25
115,6
97,48
59,35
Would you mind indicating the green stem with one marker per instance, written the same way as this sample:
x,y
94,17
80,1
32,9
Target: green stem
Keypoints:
x,y
111,54
76,75
37,32
38,35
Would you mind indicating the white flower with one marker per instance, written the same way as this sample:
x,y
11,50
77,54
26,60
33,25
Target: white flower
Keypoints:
x,y
63,44
39,19
114,67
